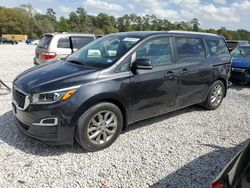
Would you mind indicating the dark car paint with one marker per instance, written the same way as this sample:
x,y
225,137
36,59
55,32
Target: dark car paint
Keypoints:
x,y
140,95
240,77
236,174
53,76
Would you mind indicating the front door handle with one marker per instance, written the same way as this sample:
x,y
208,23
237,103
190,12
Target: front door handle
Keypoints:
x,y
184,72
169,75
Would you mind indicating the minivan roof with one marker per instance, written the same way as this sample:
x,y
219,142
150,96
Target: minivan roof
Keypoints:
x,y
150,33
71,34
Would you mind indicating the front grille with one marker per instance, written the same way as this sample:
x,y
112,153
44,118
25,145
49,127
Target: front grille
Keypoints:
x,y
19,98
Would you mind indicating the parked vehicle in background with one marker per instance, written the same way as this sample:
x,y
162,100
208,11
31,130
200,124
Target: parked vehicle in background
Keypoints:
x,y
55,46
236,174
121,78
241,65
232,44
30,41
35,42
7,41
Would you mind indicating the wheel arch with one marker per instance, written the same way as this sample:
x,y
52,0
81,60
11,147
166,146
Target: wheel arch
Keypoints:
x,y
225,84
95,100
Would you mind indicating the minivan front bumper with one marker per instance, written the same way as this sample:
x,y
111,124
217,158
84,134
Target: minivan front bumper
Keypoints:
x,y
45,126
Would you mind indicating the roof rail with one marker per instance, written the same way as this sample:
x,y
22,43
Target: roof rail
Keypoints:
x,y
193,32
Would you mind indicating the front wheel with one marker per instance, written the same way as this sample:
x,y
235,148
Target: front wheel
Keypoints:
x,y
99,126
215,95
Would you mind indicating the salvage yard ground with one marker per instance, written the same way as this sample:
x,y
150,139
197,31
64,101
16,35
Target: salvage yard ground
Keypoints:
x,y
186,148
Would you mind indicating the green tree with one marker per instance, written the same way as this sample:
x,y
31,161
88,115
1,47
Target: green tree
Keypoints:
x,y
64,25
51,14
195,24
29,8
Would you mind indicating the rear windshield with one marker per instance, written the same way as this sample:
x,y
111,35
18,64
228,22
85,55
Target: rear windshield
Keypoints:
x,y
77,41
44,43
232,45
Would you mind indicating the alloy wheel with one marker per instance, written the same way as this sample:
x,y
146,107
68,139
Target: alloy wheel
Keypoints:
x,y
102,127
216,96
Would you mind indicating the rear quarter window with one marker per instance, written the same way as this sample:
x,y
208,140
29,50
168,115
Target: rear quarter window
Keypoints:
x,y
217,47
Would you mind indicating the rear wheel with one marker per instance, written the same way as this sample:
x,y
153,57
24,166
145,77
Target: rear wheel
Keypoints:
x,y
215,95
99,126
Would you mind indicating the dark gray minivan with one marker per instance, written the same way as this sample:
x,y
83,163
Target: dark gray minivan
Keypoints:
x,y
121,78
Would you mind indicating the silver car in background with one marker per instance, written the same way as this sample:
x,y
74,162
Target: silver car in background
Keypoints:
x,y
55,46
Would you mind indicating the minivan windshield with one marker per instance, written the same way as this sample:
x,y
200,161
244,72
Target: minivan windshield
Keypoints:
x,y
241,51
104,51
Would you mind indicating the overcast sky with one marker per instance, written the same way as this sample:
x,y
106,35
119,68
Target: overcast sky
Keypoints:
x,y
232,14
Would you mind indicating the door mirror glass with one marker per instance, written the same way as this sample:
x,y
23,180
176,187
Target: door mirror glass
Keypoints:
x,y
143,64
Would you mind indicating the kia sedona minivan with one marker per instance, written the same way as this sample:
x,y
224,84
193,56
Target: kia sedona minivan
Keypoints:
x,y
95,93
56,46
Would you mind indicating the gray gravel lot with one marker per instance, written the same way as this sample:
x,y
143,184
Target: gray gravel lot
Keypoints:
x,y
186,148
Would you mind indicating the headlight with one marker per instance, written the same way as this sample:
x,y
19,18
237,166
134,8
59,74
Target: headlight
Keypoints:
x,y
53,96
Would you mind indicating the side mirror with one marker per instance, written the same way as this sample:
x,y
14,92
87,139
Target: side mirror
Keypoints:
x,y
142,64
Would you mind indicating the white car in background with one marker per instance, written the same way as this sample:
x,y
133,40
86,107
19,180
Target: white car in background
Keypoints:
x,y
55,46
35,42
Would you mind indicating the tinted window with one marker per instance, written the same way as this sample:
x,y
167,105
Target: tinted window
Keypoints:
x,y
78,42
217,47
232,45
157,50
63,43
44,43
189,49
125,65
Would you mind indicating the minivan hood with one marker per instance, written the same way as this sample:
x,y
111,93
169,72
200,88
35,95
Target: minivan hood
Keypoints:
x,y
53,76
241,62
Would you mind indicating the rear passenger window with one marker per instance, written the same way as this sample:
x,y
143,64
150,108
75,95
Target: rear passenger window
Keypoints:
x,y
78,42
189,49
158,51
217,47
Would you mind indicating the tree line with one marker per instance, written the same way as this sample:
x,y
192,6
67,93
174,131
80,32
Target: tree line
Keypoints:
x,y
25,20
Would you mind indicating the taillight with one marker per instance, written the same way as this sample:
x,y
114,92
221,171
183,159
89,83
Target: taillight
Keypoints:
x,y
217,184
48,55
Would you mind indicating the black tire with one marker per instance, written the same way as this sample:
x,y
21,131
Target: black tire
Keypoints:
x,y
84,121
208,104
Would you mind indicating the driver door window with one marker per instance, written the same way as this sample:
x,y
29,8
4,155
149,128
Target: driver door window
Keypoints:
x,y
158,51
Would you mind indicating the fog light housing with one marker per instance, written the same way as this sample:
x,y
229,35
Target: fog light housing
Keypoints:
x,y
47,122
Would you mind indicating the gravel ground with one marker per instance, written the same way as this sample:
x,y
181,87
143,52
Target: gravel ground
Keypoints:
x,y
186,148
